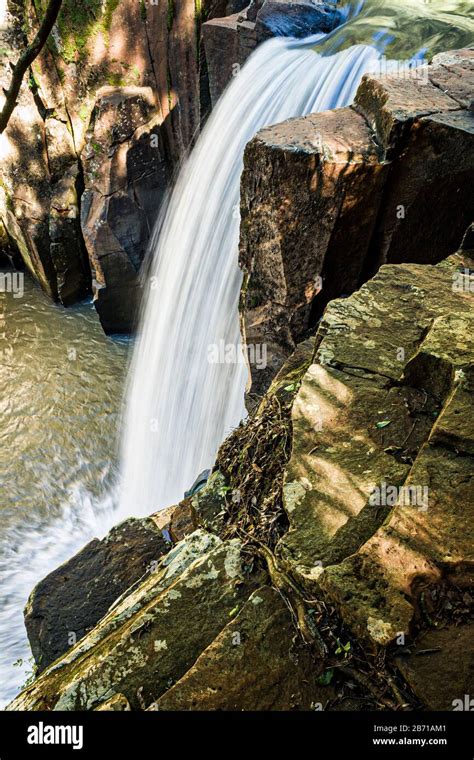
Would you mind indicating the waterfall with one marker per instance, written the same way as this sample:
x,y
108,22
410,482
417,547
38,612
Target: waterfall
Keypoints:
x,y
181,405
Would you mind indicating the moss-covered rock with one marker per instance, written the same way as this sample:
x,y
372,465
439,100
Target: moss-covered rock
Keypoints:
x,y
255,663
377,486
153,634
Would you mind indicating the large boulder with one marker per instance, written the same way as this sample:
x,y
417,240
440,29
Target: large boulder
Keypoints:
x,y
66,604
255,663
327,198
154,633
308,186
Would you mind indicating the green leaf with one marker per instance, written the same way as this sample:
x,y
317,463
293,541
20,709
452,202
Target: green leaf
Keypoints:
x,y
325,678
383,424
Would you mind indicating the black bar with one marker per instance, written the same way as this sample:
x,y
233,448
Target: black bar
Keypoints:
x,y
315,735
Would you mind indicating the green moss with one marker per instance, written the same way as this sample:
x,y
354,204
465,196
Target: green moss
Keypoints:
x,y
84,113
115,79
106,23
78,22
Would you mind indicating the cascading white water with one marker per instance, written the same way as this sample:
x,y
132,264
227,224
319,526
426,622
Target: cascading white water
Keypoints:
x,y
180,405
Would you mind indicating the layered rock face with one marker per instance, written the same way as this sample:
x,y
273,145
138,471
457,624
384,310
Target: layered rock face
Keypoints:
x,y
378,484
125,177
328,198
41,185
228,42
57,144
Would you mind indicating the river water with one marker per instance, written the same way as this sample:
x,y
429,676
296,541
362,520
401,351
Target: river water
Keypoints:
x,y
61,390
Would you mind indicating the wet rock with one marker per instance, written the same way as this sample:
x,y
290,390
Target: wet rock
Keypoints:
x,y
66,604
255,663
153,634
198,484
229,41
280,18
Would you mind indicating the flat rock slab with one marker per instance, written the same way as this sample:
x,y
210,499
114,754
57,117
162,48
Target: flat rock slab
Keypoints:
x,y
379,486
453,74
66,604
440,668
255,663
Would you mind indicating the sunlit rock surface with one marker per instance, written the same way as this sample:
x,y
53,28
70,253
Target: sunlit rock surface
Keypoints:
x,y
153,635
386,405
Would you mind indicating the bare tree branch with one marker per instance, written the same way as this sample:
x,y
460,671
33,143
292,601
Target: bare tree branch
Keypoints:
x,y
26,59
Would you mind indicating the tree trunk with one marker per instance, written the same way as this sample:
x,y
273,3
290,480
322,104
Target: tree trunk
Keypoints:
x,y
26,59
